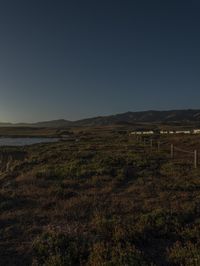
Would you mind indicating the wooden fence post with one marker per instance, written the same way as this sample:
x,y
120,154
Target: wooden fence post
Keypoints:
x,y
151,144
158,145
195,159
144,142
172,151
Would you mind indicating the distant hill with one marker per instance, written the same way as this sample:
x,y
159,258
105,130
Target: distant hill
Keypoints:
x,y
50,124
145,117
53,123
185,116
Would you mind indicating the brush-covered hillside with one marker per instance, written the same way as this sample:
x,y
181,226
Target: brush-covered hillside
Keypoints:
x,y
102,198
175,116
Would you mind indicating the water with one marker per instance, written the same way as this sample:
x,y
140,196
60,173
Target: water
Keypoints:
x,y
25,141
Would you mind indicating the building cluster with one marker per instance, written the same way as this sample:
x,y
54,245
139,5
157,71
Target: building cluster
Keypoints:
x,y
166,132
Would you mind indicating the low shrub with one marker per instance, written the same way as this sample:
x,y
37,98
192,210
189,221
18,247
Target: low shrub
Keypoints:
x,y
56,249
187,254
116,254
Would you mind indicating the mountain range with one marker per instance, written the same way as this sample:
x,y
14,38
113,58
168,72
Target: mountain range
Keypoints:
x,y
180,116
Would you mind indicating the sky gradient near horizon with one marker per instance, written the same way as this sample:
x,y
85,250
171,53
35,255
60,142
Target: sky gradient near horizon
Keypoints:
x,y
76,59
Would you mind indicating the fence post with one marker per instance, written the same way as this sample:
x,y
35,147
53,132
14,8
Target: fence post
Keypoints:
x,y
151,144
172,151
195,159
158,145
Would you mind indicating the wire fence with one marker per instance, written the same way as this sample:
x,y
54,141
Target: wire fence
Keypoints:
x,y
175,152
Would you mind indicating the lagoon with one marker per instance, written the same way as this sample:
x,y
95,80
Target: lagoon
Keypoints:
x,y
5,141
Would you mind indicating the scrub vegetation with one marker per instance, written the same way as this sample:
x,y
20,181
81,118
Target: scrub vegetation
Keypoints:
x,y
99,198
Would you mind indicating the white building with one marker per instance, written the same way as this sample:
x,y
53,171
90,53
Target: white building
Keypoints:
x,y
183,132
136,133
164,132
150,132
196,131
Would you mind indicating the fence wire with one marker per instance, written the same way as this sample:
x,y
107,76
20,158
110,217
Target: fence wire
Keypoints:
x,y
182,150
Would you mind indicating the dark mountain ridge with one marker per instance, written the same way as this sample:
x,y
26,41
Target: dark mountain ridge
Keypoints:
x,y
151,116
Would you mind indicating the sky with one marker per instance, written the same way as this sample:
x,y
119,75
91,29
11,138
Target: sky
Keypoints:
x,y
74,59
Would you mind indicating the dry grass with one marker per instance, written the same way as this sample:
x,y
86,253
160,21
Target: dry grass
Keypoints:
x,y
103,200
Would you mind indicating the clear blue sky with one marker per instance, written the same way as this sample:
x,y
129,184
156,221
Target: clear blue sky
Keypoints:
x,y
76,59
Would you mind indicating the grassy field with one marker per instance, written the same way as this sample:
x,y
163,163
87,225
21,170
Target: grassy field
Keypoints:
x,y
101,198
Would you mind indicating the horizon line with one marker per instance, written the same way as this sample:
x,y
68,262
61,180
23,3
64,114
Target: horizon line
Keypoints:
x,y
99,116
